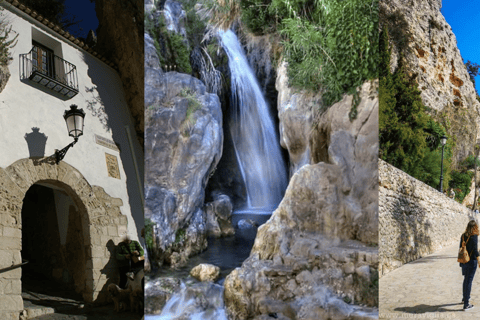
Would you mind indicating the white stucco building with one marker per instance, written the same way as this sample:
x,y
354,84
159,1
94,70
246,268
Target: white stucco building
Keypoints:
x,y
64,218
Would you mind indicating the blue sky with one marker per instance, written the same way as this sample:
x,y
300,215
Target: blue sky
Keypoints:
x,y
84,10
464,18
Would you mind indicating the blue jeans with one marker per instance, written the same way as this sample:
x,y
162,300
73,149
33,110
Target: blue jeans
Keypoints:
x,y
468,271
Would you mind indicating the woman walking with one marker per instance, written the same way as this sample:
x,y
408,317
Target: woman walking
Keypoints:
x,y
468,269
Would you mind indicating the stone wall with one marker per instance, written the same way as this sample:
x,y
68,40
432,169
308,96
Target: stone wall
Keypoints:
x,y
415,219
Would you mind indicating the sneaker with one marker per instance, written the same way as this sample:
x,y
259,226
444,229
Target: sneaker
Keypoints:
x,y
470,306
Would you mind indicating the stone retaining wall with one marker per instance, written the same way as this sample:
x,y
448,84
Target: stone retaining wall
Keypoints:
x,y
415,219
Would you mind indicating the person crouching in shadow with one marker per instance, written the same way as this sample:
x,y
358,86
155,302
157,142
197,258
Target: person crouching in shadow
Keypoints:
x,y
130,258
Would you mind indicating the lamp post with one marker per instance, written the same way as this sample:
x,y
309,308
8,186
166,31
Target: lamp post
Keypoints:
x,y
74,119
443,141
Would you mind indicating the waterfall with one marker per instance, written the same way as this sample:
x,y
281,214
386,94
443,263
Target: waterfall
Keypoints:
x,y
254,137
200,301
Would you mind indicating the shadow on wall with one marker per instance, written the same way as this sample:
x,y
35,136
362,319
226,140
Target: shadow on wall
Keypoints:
x,y
36,142
110,270
413,227
104,101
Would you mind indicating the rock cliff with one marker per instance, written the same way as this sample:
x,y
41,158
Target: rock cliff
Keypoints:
x,y
432,56
120,38
321,242
183,144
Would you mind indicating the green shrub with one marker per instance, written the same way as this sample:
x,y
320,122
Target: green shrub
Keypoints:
x,y
460,183
149,224
469,162
180,236
329,46
334,50
193,105
256,16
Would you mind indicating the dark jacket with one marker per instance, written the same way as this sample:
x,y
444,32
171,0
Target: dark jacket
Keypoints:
x,y
472,246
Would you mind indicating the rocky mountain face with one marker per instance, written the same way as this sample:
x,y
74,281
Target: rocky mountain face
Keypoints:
x,y
322,241
432,56
120,37
183,145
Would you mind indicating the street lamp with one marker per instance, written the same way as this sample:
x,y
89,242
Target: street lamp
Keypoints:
x,y
74,119
443,141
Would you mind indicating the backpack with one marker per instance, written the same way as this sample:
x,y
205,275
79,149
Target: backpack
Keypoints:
x,y
463,256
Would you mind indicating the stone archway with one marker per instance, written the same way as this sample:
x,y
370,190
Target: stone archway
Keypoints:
x,y
102,224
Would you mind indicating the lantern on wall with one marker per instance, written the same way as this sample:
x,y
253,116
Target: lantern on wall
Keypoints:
x,y
74,119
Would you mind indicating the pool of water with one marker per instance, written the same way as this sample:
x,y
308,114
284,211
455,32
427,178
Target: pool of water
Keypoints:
x,y
227,253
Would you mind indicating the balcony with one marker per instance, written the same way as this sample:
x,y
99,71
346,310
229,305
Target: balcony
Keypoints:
x,y
48,70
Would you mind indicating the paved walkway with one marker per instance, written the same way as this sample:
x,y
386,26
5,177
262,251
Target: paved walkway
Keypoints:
x,y
428,288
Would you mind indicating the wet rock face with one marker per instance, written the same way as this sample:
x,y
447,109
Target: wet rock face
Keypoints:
x,y
219,216
175,17
433,57
120,37
319,248
158,292
183,145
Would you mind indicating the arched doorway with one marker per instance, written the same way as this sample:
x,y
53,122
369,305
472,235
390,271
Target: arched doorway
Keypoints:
x,y
102,226
53,241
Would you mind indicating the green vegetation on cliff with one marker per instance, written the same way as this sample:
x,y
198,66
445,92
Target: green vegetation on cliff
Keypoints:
x,y
409,137
329,46
172,50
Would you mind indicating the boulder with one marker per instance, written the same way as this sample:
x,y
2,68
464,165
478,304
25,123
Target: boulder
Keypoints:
x,y
219,216
205,272
183,146
246,224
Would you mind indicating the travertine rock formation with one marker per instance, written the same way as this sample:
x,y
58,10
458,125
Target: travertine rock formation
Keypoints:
x,y
120,37
320,243
295,111
183,144
432,55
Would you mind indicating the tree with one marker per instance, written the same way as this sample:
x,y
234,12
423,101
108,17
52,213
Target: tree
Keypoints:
x,y
409,137
472,69
5,43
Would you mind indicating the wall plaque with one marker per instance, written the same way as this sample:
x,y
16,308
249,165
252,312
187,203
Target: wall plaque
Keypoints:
x,y
106,143
112,166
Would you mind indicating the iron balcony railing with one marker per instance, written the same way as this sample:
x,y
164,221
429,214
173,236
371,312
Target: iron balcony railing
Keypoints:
x,y
49,70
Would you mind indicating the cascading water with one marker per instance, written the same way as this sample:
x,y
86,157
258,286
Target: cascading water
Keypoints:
x,y
254,137
258,152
